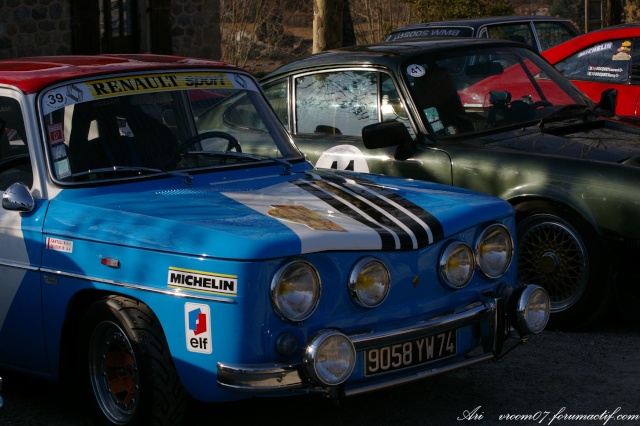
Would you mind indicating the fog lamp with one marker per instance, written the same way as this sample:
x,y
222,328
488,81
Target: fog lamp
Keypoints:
x,y
529,309
330,358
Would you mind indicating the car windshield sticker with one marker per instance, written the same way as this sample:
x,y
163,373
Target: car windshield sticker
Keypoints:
x,y
134,84
56,135
606,72
197,327
433,118
623,52
415,70
594,49
433,32
301,214
207,282
59,245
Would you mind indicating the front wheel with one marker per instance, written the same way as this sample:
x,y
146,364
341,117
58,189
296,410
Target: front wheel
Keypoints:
x,y
128,368
559,251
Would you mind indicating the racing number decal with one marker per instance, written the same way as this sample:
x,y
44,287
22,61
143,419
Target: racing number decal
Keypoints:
x,y
343,157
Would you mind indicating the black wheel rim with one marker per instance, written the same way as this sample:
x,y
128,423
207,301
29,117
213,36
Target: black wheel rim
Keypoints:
x,y
113,372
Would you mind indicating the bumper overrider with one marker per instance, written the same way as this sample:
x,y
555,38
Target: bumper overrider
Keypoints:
x,y
330,356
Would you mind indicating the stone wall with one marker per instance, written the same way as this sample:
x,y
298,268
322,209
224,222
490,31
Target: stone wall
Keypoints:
x,y
43,27
195,28
34,27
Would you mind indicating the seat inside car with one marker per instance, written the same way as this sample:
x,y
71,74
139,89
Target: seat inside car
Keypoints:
x,y
107,133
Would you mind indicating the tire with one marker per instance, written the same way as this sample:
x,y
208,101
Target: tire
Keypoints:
x,y
559,251
126,368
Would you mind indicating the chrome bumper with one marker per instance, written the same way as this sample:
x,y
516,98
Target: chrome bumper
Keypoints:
x,y
291,378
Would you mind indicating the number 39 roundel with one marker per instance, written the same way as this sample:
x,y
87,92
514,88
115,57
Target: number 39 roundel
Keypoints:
x,y
343,157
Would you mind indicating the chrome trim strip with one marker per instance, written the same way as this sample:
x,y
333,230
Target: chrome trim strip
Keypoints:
x,y
288,377
174,293
256,378
473,313
19,265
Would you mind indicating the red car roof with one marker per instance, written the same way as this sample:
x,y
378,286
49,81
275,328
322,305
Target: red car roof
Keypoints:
x,y
576,44
33,73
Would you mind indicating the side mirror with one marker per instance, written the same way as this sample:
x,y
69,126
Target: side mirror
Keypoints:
x,y
387,134
18,198
608,100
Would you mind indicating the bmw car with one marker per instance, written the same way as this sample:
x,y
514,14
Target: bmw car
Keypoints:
x,y
539,32
492,116
162,238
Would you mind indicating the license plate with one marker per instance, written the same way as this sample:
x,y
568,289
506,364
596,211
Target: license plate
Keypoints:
x,y
407,354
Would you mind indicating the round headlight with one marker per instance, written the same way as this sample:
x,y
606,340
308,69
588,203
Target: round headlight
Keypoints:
x,y
494,251
369,282
456,265
330,358
529,309
295,290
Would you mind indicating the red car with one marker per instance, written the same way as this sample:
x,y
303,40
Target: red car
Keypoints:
x,y
601,59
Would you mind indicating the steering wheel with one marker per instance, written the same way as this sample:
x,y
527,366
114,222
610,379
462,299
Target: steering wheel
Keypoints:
x,y
233,142
541,104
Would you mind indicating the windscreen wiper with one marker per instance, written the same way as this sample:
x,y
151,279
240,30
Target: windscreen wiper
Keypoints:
x,y
562,112
130,169
242,156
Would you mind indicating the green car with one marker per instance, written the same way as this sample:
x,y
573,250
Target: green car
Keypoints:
x,y
491,116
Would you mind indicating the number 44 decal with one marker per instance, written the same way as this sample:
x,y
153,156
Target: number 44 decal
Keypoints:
x,y
343,157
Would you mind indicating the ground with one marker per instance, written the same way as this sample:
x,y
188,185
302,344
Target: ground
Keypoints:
x,y
555,378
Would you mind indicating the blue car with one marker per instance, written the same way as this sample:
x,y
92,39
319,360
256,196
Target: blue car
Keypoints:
x,y
149,257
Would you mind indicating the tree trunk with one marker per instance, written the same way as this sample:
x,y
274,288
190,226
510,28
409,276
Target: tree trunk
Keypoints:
x,y
327,24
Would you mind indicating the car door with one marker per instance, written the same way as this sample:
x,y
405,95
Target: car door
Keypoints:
x,y
21,325
326,111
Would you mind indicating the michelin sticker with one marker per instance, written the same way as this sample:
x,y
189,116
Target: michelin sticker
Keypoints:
x,y
187,279
197,322
343,157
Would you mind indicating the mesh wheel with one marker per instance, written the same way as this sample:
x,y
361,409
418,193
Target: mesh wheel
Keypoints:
x,y
552,255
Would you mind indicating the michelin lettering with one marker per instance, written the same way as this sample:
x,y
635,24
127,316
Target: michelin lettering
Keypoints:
x,y
202,281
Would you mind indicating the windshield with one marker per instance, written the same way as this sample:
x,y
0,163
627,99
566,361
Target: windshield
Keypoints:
x,y
128,126
467,92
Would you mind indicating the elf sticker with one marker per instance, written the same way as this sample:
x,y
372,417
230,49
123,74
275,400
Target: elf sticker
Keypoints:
x,y
197,321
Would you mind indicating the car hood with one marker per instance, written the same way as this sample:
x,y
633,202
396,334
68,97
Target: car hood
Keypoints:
x,y
266,217
601,140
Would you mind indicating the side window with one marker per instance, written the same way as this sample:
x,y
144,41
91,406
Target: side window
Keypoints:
x,y
341,102
551,33
605,62
516,32
15,165
279,99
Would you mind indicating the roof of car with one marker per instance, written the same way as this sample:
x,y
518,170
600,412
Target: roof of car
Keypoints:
x,y
30,74
387,54
479,22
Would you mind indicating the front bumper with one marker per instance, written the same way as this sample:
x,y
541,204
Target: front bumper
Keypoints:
x,y
489,315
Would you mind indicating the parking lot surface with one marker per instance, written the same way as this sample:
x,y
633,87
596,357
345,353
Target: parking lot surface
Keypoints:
x,y
580,378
